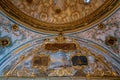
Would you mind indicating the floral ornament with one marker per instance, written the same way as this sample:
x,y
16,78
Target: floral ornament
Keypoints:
x,y
15,27
4,42
110,41
101,26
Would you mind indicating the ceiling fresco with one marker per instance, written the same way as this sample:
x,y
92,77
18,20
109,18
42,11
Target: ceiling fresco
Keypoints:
x,y
57,11
29,53
58,15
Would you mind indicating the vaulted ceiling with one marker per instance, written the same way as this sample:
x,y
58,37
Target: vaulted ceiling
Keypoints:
x,y
27,25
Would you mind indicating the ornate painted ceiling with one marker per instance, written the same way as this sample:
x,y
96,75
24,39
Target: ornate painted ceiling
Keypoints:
x,y
27,51
58,15
57,11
